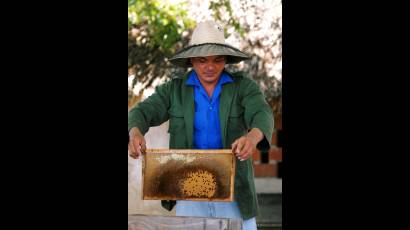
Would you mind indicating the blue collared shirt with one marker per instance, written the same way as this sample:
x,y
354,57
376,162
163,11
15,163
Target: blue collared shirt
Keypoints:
x,y
207,129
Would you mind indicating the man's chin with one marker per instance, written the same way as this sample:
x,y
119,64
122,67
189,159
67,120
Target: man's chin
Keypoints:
x,y
209,75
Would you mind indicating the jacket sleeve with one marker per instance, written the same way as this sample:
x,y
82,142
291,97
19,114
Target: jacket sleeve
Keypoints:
x,y
153,111
258,113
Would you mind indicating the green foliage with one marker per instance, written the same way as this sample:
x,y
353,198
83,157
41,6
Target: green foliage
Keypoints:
x,y
155,31
165,22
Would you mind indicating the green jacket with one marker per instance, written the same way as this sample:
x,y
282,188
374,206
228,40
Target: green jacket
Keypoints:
x,y
242,107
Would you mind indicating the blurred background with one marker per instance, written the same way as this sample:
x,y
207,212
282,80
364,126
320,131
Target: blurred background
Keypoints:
x,y
157,29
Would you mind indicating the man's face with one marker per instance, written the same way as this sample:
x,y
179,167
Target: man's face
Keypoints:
x,y
209,68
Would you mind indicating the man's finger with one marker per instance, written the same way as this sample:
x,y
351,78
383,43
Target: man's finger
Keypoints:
x,y
233,146
132,151
246,155
241,155
247,150
247,146
143,147
131,148
138,149
137,146
239,147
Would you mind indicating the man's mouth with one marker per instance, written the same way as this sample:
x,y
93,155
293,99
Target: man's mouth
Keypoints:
x,y
209,74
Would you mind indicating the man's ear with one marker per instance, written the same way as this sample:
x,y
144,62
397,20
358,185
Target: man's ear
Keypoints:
x,y
191,61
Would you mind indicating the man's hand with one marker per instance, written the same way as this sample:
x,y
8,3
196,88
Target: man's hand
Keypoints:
x,y
136,145
244,146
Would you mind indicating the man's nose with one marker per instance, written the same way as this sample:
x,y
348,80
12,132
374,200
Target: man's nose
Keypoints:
x,y
210,67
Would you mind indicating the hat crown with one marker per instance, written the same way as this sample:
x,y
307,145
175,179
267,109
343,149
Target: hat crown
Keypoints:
x,y
207,32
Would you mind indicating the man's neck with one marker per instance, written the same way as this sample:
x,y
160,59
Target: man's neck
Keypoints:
x,y
209,86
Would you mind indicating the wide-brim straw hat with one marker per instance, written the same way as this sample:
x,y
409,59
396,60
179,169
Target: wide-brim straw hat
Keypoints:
x,y
207,40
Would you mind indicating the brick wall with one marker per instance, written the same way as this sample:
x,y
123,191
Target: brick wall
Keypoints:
x,y
267,164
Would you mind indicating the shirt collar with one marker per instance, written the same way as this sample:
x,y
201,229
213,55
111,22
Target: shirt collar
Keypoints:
x,y
194,81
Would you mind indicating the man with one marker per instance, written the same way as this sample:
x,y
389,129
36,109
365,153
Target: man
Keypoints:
x,y
209,108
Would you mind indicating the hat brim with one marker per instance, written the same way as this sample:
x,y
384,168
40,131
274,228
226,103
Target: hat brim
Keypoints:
x,y
181,58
